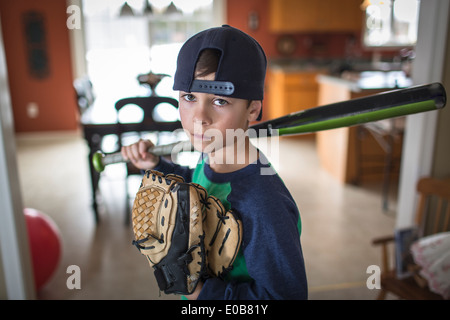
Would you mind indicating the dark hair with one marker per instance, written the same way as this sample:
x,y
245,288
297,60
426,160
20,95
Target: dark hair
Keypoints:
x,y
207,63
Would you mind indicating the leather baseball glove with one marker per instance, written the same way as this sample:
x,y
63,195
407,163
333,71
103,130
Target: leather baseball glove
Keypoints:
x,y
186,235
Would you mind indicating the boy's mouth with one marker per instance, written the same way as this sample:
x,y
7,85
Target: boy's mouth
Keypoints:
x,y
201,137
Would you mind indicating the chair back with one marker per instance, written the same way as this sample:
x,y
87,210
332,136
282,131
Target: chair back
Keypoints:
x,y
149,121
433,212
84,93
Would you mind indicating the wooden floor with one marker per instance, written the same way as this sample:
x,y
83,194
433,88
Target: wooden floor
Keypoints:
x,y
338,222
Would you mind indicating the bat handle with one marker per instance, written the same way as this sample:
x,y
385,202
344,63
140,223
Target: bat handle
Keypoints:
x,y
100,160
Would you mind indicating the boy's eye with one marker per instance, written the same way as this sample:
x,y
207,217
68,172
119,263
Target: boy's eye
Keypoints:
x,y
220,102
189,97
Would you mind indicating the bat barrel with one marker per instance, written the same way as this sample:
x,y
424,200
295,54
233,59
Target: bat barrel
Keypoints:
x,y
385,105
380,106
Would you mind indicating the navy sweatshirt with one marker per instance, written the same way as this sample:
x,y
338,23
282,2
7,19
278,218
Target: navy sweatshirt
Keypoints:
x,y
270,263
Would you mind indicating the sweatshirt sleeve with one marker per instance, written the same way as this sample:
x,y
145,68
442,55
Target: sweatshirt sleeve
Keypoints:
x,y
272,252
165,166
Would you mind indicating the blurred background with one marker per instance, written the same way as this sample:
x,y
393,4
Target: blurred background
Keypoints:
x,y
65,65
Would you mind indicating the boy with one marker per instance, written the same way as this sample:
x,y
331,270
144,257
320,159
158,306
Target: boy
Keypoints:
x,y
220,75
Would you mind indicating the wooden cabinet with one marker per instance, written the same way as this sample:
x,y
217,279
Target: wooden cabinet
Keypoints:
x,y
353,154
291,91
309,15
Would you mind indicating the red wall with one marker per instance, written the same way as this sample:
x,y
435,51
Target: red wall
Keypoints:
x,y
309,45
237,16
53,94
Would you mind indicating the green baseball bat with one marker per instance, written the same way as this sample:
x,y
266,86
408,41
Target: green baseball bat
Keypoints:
x,y
100,160
385,105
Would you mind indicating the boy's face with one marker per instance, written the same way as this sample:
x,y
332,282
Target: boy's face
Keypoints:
x,y
208,118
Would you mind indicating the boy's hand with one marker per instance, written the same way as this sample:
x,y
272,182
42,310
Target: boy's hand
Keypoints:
x,y
184,233
138,155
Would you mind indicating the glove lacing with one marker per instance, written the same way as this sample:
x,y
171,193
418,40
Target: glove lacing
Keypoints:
x,y
137,243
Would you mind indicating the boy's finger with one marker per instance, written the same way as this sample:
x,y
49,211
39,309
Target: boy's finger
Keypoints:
x,y
124,153
135,148
143,147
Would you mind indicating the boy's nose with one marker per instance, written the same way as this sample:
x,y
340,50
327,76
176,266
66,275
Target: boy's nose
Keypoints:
x,y
201,114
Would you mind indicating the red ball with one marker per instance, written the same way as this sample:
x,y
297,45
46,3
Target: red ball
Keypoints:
x,y
45,245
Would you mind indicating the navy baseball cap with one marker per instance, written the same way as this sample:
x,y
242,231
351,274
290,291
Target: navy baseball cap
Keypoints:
x,y
241,70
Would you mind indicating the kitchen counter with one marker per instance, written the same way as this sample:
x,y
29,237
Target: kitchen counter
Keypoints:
x,y
368,80
345,152
332,66
301,65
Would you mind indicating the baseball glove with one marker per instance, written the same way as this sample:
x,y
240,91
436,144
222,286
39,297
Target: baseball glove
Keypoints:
x,y
186,235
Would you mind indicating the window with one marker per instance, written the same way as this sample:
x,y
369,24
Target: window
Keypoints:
x,y
391,23
121,44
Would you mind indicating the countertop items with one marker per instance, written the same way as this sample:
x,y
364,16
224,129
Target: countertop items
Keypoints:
x,y
357,81
335,67
361,153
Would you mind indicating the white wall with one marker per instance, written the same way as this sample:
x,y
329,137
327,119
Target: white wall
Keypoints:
x,y
16,280
419,141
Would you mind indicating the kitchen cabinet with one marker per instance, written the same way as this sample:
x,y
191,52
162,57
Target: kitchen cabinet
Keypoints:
x,y
313,16
291,91
355,154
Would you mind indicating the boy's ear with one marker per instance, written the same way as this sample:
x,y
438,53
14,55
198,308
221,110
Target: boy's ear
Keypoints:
x,y
254,110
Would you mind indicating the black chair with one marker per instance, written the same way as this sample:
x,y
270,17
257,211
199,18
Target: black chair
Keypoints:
x,y
84,93
93,133
151,122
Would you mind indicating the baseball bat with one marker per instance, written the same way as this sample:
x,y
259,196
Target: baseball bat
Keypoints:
x,y
380,106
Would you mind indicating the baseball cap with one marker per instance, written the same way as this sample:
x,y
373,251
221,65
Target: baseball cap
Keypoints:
x,y
241,70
